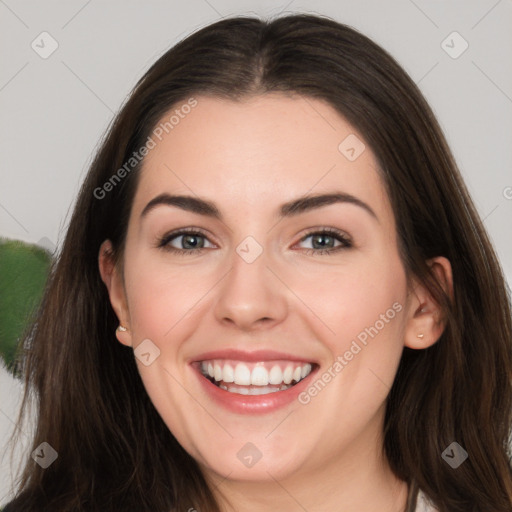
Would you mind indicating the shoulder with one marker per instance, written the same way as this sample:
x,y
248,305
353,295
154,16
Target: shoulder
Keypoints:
x,y
423,504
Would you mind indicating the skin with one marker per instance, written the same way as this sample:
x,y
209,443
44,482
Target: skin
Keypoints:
x,y
248,158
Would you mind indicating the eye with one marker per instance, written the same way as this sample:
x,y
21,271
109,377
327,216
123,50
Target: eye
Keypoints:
x,y
192,241
324,241
189,241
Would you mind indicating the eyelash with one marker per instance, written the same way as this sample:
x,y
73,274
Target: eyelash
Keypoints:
x,y
346,242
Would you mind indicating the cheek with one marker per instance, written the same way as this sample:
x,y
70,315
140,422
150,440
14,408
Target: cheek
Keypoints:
x,y
364,307
161,296
161,302
359,301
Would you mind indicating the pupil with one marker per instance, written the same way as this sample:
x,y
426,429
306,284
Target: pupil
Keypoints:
x,y
323,238
186,241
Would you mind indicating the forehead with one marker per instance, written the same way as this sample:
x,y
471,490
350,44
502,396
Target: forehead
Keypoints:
x,y
260,151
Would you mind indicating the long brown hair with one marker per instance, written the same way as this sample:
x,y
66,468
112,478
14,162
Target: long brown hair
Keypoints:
x,y
114,450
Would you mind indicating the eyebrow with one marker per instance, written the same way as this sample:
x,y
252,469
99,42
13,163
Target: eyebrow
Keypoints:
x,y
289,209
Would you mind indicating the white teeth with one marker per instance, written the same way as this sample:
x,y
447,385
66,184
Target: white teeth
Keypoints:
x,y
242,375
259,376
217,372
288,375
228,374
276,375
263,390
306,370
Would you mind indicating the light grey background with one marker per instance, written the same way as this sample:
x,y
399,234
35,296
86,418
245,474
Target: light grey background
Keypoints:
x,y
54,110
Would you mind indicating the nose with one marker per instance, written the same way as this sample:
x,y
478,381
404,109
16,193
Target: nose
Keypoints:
x,y
251,297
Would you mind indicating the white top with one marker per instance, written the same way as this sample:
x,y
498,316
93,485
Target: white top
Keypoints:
x,y
423,504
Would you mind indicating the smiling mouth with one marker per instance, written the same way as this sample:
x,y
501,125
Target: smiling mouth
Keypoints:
x,y
258,378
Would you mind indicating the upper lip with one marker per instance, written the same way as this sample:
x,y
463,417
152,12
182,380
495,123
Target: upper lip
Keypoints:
x,y
252,356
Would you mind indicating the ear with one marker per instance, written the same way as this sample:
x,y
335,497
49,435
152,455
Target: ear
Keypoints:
x,y
112,278
425,322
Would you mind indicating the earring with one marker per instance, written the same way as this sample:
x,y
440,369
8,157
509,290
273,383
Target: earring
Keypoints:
x,y
122,329
419,336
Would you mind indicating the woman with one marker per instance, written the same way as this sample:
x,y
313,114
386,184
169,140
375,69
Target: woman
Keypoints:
x,y
274,292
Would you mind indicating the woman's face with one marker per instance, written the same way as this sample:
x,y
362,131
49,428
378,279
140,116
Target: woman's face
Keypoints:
x,y
274,285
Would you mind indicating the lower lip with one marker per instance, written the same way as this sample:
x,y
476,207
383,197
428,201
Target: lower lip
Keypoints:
x,y
253,404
